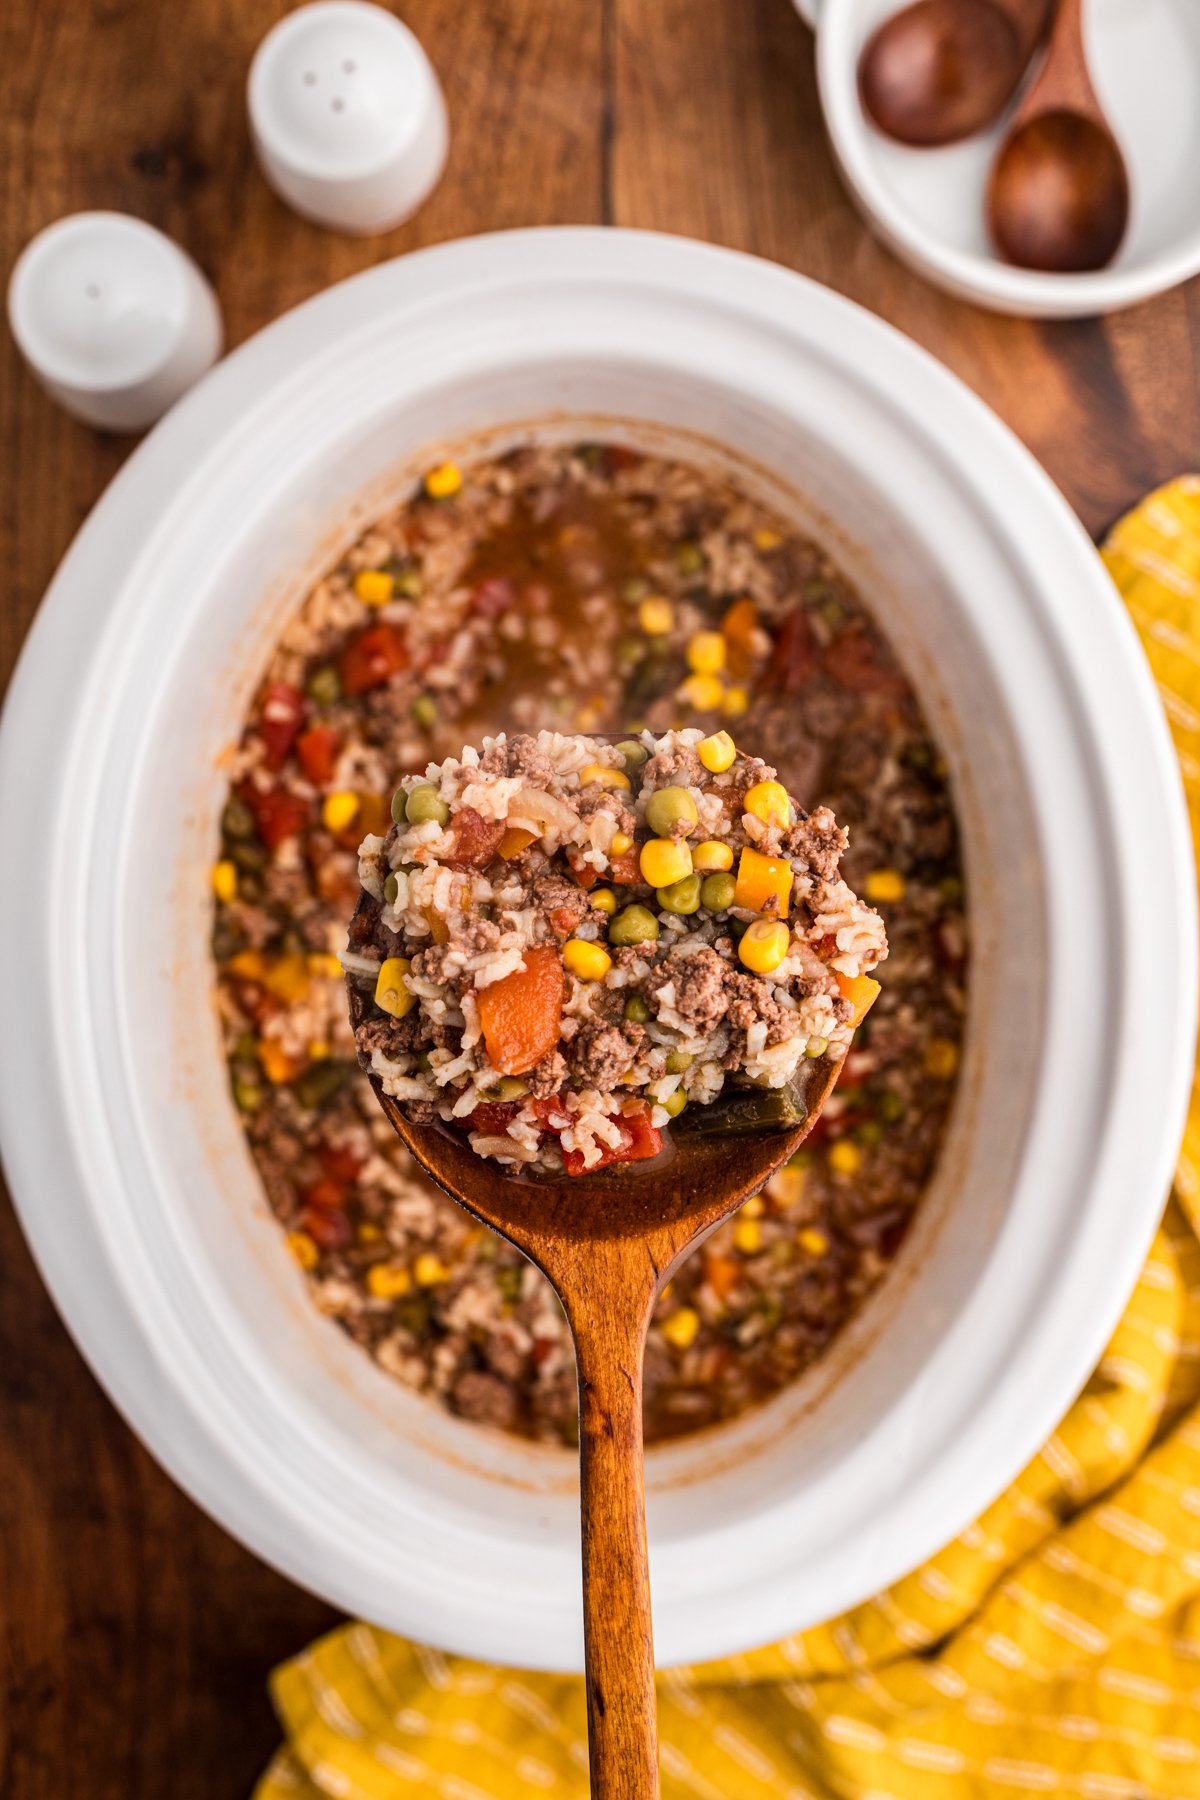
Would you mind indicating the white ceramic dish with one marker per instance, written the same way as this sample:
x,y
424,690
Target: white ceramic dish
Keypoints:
x,y
119,1137
927,205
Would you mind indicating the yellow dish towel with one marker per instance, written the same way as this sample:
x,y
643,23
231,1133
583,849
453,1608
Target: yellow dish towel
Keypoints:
x,y
1053,1648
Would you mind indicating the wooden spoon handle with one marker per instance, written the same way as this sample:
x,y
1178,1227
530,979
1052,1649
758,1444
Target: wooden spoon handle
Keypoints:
x,y
618,1641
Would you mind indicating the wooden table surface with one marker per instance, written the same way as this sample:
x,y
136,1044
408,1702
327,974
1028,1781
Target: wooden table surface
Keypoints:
x,y
136,1636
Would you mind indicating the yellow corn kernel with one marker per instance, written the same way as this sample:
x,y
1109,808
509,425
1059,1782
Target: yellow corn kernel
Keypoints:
x,y
717,753
277,1065
845,1158
224,880
786,1187
682,1327
588,961
620,844
812,1240
735,703
339,811
712,857
390,992
767,540
303,1249
603,899
764,945
753,1208
321,962
941,1058
663,861
430,1270
747,1235
702,692
587,719
318,1050
368,1233
388,1281
706,652
656,617
374,587
603,776
768,801
885,884
443,482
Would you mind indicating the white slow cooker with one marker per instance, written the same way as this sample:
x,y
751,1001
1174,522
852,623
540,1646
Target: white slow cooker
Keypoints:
x,y
119,1137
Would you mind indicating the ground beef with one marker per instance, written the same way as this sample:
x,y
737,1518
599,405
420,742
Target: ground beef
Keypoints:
x,y
818,841
748,1002
485,1399
560,901
395,1037
599,1054
521,759
699,982
674,768
546,1077
743,776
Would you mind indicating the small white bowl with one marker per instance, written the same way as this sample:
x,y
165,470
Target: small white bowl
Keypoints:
x,y
928,205
121,1144
114,319
347,116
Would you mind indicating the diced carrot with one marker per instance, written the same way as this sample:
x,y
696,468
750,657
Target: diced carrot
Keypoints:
x,y
373,817
860,991
764,883
438,929
721,1273
738,628
520,1015
515,839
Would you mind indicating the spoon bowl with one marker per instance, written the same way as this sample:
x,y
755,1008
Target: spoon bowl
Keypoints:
x,y
608,1243
940,70
1059,195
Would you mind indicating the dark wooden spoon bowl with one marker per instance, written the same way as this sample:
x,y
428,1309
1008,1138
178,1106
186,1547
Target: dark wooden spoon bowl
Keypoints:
x,y
940,70
608,1243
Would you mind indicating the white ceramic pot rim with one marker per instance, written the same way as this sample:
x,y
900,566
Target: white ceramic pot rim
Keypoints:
x,y
1072,1310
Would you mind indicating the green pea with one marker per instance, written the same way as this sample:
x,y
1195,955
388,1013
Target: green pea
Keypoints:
x,y
635,589
391,888
424,803
689,559
509,1087
324,685
674,1103
670,806
678,1061
816,1047
891,1107
425,712
248,1096
424,1063
717,892
237,821
682,896
631,753
636,1008
399,801
869,1132
410,582
633,925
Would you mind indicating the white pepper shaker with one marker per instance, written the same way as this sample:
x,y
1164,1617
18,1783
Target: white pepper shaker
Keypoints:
x,y
114,319
347,116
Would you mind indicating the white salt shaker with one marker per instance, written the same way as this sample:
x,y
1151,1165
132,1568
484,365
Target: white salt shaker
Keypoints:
x,y
347,116
114,319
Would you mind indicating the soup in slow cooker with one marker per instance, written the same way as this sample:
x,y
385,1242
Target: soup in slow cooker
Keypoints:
x,y
586,589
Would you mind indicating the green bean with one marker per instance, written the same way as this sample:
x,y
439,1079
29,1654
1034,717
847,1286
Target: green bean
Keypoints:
x,y
391,888
740,1113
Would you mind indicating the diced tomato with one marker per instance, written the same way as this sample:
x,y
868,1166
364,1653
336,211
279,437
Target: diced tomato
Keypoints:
x,y
795,652
540,1350
326,1192
340,1165
640,1139
552,1114
372,658
476,839
327,1226
279,721
624,869
620,456
493,1117
317,749
493,597
586,874
853,659
278,814
562,922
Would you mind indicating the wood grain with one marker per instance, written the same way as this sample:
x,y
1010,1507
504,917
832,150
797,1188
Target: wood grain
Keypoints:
x,y
135,1637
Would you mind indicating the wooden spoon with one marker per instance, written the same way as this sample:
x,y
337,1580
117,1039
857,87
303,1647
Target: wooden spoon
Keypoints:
x,y
940,70
608,1243
1058,198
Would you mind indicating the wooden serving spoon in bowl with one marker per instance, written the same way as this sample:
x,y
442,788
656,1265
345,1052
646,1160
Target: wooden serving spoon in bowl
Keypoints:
x,y
940,70
1058,198
608,1243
